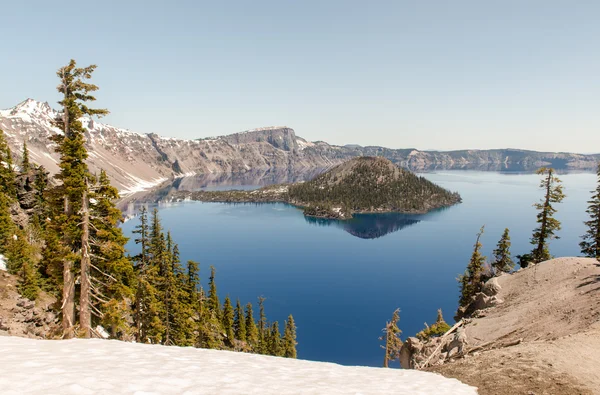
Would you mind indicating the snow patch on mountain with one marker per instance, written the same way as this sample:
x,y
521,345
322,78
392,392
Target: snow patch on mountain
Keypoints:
x,y
264,129
140,185
114,367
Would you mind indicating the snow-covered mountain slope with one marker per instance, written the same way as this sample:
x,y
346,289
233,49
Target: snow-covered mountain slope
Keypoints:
x,y
136,161
111,367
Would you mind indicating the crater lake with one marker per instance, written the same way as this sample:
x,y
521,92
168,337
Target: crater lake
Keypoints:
x,y
342,280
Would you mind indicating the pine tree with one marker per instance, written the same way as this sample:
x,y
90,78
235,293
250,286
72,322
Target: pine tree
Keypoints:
x,y
142,261
251,329
439,328
391,337
228,317
211,333
181,308
262,326
111,275
7,174
470,281
29,282
213,298
502,260
25,165
75,178
548,225
590,246
193,280
239,322
289,338
275,346
7,226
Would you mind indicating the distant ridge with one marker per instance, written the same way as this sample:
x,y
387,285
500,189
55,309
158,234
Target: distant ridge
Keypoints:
x,y
135,161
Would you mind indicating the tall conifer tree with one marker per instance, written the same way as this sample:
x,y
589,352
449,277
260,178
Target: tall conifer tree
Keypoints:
x,y
213,298
391,337
228,317
7,174
548,225
251,329
470,281
239,322
502,259
275,346
262,327
112,277
590,245
289,338
25,165
75,176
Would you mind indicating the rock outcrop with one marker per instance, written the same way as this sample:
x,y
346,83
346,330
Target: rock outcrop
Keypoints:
x,y
22,317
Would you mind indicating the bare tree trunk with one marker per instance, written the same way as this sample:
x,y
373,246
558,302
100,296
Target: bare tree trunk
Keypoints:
x,y
68,294
542,240
387,346
138,313
85,317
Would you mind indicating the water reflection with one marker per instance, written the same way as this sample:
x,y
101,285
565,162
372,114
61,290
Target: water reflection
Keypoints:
x,y
370,226
161,195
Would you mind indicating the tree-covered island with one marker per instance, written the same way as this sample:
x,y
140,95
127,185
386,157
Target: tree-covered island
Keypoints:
x,y
360,185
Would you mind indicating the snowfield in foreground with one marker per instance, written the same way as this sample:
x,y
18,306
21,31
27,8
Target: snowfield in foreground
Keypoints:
x,y
113,367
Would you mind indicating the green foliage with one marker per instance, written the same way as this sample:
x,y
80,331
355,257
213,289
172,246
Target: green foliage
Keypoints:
x,y
548,225
262,327
590,245
7,226
439,328
171,308
251,328
74,228
274,342
502,259
214,305
239,322
391,337
25,165
470,282
289,338
371,184
112,273
29,282
228,317
7,174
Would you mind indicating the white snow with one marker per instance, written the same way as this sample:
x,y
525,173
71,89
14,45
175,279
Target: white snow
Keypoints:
x,y
140,185
2,262
112,367
303,143
264,129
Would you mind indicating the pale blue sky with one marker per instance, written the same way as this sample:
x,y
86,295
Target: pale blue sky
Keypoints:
x,y
424,74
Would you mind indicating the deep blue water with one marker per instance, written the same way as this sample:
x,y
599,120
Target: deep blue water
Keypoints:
x,y
342,280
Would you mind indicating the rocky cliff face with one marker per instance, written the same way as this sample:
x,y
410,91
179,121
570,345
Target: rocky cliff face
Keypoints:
x,y
135,161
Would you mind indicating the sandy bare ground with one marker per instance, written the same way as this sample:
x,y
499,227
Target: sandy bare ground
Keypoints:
x,y
554,308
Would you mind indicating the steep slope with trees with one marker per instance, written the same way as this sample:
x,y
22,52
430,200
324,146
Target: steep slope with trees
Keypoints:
x,y
370,184
63,242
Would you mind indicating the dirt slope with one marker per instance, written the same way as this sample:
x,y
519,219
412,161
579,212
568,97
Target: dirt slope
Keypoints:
x,y
554,308
20,316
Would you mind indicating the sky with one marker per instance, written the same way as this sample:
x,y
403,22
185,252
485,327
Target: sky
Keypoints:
x,y
401,74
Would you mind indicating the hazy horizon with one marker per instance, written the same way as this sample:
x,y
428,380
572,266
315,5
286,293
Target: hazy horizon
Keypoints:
x,y
398,74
